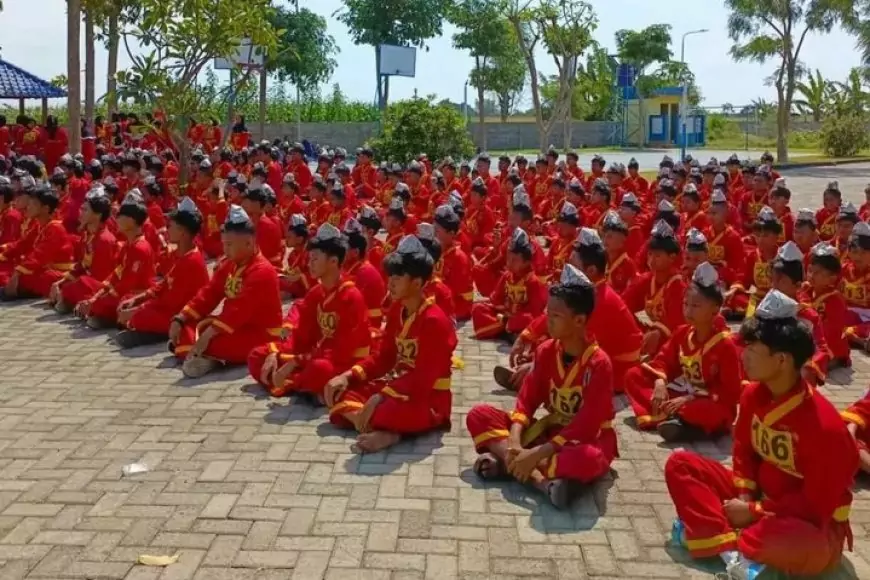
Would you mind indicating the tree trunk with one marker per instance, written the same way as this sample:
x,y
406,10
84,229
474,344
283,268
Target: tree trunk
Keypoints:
x,y
782,122
90,81
386,92
481,119
263,87
380,95
73,73
112,65
504,105
568,126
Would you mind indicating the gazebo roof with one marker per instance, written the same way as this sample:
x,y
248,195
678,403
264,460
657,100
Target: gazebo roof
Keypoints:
x,y
16,83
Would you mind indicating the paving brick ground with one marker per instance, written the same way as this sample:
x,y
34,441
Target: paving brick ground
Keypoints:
x,y
242,487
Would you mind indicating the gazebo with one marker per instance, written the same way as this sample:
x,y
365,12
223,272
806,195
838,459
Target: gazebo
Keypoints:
x,y
17,83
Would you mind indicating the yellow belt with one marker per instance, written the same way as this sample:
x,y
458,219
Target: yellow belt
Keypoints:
x,y
64,267
539,427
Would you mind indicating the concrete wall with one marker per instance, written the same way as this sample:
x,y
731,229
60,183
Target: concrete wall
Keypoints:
x,y
499,136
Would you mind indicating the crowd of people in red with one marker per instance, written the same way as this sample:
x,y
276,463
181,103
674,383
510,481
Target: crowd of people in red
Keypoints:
x,y
603,282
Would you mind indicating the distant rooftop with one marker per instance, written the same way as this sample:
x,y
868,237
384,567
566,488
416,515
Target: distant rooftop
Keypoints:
x,y
17,83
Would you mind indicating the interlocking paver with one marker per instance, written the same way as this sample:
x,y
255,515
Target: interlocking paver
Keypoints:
x,y
245,488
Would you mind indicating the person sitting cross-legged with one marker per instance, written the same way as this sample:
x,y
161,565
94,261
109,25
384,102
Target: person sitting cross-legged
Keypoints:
x,y
247,284
403,388
148,315
572,379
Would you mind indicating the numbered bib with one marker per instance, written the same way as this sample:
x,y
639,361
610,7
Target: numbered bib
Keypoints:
x,y
775,447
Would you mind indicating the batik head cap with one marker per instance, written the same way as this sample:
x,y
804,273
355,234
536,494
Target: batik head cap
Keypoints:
x,y
861,229
521,198
338,187
66,158
713,161
5,180
205,164
789,252
695,238
575,184
317,179
396,168
133,197
186,205
402,187
601,184
666,207
776,306
666,183
445,211
766,214
572,276
833,185
289,179
341,152
806,215
415,166
718,196
667,159
733,160
455,200
568,210
689,188
589,237
848,210
297,219
780,183
598,159
436,174
27,182
397,204
633,162
58,171
353,227
149,180
368,212
96,192
630,199
426,232
614,168
478,182
705,275
719,180
824,249
520,240
664,172
662,229
327,232
237,215
513,172
612,219
410,245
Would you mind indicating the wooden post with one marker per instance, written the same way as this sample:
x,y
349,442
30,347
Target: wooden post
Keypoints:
x,y
44,110
20,106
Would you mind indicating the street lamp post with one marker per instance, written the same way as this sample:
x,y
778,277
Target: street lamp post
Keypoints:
x,y
465,103
684,105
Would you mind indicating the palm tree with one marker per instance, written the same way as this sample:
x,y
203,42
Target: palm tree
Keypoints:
x,y
762,108
850,95
73,73
728,109
813,95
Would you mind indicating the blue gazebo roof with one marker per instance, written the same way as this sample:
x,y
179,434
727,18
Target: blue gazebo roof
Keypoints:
x,y
16,83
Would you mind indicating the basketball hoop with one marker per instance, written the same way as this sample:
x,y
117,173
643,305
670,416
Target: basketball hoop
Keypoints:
x,y
246,56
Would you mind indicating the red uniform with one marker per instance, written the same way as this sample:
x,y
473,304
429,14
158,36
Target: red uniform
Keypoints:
x,y
831,307
726,253
515,302
709,371
251,314
859,414
855,286
454,268
10,226
55,147
697,220
96,255
757,272
479,224
167,297
795,461
297,267
749,207
134,274
827,223
214,213
339,216
661,300
270,240
375,253
411,371
487,272
364,177
332,335
557,257
620,272
289,206
370,282
44,259
579,404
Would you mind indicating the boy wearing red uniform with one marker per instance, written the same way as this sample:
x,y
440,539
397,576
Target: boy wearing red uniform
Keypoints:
x,y
755,199
435,287
214,213
479,221
780,196
740,300
631,213
621,269
298,167
574,444
135,271
39,260
826,217
247,284
789,490
562,244
454,267
635,182
823,294
806,233
364,174
690,389
371,224
857,418
270,234
847,218
404,388
855,286
518,298
693,216
725,250
290,201
148,315
367,278
96,255
295,279
599,203
10,217
660,291
395,219
339,211
333,330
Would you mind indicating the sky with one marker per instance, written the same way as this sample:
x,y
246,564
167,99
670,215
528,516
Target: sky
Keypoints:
x,y
37,43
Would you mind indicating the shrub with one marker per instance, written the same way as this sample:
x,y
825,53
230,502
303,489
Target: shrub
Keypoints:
x,y
844,135
420,126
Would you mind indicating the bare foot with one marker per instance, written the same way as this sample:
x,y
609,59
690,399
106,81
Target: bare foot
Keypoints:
x,y
376,441
488,466
864,460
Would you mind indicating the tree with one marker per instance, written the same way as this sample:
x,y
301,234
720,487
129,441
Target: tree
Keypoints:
x,y
486,35
305,53
417,125
727,109
507,74
90,63
762,30
564,29
181,38
849,96
74,75
59,81
641,49
398,22
813,95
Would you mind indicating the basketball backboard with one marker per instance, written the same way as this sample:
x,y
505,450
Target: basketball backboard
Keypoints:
x,y
246,55
398,61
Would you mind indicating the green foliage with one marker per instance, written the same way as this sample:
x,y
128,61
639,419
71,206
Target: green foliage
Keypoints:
x,y
844,134
305,51
813,95
419,125
643,48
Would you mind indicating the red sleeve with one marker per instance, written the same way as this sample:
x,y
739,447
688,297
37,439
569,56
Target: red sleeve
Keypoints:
x,y
44,253
536,302
635,295
384,359
105,257
536,331
673,306
239,310
735,256
859,412
745,461
497,298
436,341
597,406
666,364
729,373
304,177
207,299
11,227
353,323
822,355
534,390
834,323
